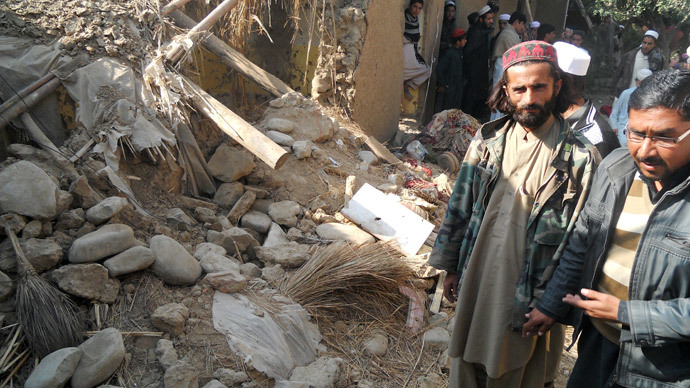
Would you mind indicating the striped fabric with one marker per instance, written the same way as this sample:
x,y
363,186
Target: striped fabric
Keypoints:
x,y
412,28
618,266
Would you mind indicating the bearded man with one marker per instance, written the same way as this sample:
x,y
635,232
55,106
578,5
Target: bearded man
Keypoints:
x,y
520,188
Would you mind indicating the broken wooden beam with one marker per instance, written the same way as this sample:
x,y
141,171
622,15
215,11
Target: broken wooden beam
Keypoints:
x,y
173,5
234,59
234,126
26,91
382,152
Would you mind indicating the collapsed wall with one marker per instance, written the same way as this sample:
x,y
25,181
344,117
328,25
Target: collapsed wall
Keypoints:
x,y
360,62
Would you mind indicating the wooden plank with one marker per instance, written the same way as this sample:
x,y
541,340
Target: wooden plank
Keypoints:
x,y
387,219
438,294
382,152
234,59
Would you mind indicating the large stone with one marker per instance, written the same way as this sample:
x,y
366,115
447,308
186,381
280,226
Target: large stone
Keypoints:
x,y
101,356
273,274
173,264
302,149
178,218
230,377
14,221
170,318
288,255
377,344
437,336
241,206
350,233
109,240
205,248
43,254
132,260
228,164
204,214
280,125
212,263
72,219
250,270
84,195
232,239
275,237
228,193
215,384
325,372
58,168
106,209
33,229
6,287
228,282
255,220
284,212
88,281
280,138
181,375
368,157
55,369
309,122
27,190
166,353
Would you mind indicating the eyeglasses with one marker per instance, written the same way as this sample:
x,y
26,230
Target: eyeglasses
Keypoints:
x,y
661,141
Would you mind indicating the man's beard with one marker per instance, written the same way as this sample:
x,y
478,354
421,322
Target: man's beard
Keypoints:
x,y
534,120
652,161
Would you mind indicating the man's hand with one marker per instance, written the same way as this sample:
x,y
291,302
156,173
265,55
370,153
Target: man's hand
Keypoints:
x,y
598,305
538,323
450,287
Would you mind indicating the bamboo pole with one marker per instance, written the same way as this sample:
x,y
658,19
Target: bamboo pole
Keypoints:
x,y
10,112
234,59
173,5
234,126
26,91
176,51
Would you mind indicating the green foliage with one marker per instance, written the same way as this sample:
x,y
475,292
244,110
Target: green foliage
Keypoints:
x,y
641,11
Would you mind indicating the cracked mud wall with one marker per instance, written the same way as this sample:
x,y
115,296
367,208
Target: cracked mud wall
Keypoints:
x,y
362,70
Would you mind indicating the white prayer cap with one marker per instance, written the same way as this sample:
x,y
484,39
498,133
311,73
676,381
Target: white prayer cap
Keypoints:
x,y
504,17
652,33
572,59
485,9
535,24
642,74
450,2
687,51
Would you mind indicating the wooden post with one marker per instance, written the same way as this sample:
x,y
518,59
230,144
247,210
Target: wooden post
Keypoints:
x,y
9,113
234,59
173,5
234,126
25,92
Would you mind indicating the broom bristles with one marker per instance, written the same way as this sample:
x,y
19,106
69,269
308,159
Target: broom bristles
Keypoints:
x,y
47,316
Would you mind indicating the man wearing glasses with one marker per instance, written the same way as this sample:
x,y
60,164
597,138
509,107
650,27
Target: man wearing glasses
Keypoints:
x,y
627,263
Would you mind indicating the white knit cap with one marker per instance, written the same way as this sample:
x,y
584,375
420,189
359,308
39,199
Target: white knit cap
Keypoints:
x,y
534,24
572,59
504,17
485,9
642,74
652,33
450,2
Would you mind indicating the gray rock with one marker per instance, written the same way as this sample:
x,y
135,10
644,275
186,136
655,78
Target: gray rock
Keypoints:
x,y
166,353
43,254
84,195
54,369
368,157
102,355
451,324
60,169
302,149
212,263
273,274
438,319
27,190
181,375
250,270
387,188
258,221
205,248
72,219
275,237
280,138
324,372
32,229
437,336
170,318
261,205
173,264
230,377
63,239
285,212
178,218
294,234
6,287
133,259
88,281
203,214
63,201
223,223
377,344
351,233
14,221
229,237
241,206
228,164
228,282
109,240
106,209
215,384
228,193
432,380
85,229
288,255
280,125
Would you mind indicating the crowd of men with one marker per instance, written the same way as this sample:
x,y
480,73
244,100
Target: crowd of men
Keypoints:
x,y
558,217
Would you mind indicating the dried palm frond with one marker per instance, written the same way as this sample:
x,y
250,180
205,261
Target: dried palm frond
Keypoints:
x,y
342,279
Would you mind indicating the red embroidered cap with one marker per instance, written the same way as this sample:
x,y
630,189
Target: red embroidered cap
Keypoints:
x,y
458,32
534,50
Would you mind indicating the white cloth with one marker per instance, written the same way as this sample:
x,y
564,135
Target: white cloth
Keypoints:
x,y
641,62
414,73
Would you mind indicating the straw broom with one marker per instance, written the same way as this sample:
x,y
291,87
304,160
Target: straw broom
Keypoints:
x,y
47,316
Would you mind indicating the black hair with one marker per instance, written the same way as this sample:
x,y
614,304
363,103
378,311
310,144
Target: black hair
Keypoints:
x,y
461,37
472,18
578,86
499,97
544,29
579,32
412,2
517,16
664,89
